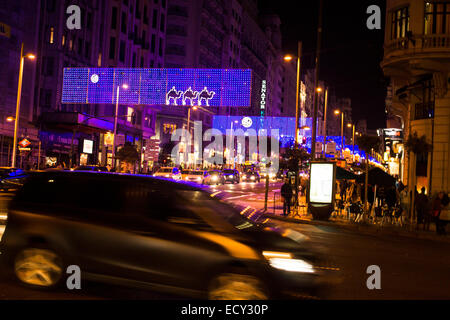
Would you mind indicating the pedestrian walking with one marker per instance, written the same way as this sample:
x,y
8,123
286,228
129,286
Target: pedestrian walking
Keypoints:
x,y
286,194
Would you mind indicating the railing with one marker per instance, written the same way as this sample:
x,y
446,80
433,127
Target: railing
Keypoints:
x,y
418,43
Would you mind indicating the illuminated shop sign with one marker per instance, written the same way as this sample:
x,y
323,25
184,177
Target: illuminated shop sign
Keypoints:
x,y
263,97
200,87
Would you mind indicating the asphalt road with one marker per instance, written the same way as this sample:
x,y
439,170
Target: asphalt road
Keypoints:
x,y
410,268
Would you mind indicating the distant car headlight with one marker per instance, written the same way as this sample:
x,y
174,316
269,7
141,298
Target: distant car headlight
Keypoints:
x,y
214,178
231,176
167,175
284,261
271,175
252,177
199,179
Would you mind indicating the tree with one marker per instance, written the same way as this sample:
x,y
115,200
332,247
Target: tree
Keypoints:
x,y
415,145
128,154
367,144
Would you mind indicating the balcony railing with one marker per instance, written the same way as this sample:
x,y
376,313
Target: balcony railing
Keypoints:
x,y
419,43
424,110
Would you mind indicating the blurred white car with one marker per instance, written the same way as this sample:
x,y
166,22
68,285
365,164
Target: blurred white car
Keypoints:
x,y
197,176
168,172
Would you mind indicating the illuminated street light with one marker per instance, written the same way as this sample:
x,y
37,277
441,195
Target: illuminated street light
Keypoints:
x,y
319,89
288,57
124,86
19,94
10,119
337,112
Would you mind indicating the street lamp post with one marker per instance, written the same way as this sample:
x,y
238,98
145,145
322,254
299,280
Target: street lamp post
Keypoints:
x,y
19,95
353,138
124,86
342,130
325,124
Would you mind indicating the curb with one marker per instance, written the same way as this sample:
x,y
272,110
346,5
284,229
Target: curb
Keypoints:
x,y
362,228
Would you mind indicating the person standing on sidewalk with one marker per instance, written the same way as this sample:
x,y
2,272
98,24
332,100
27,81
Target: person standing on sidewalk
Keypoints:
x,y
437,208
286,193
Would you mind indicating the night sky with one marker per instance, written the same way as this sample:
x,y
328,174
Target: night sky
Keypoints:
x,y
351,53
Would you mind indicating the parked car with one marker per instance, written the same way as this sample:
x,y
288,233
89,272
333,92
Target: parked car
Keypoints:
x,y
168,172
197,176
91,168
151,232
11,178
215,177
231,175
251,176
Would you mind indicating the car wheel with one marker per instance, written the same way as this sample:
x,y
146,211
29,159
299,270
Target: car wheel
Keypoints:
x,y
38,267
234,286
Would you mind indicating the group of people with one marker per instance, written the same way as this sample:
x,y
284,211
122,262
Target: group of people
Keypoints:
x,y
430,210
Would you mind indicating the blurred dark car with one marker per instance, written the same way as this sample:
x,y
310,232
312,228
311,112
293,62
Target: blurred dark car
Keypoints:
x,y
251,176
215,177
11,178
231,175
91,168
151,233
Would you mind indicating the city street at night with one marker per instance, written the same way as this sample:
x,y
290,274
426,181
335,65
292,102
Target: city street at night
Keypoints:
x,y
410,268
200,152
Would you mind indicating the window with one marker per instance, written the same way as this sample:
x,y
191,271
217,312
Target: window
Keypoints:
x,y
112,48
124,22
160,47
168,128
122,51
155,19
114,18
437,18
148,120
399,23
153,43
161,25
52,33
425,109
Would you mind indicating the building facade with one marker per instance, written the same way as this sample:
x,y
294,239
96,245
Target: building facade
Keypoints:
x,y
416,58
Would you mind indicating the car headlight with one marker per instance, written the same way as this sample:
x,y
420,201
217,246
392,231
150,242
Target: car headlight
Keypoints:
x,y
199,179
167,175
284,261
252,177
214,178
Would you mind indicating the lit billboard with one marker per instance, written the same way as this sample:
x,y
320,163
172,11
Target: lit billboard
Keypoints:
x,y
151,86
321,182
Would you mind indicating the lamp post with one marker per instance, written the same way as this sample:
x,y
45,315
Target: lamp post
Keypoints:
x,y
297,92
188,131
337,112
19,95
353,139
124,86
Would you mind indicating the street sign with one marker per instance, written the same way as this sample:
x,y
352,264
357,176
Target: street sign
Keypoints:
x,y
321,182
5,30
24,143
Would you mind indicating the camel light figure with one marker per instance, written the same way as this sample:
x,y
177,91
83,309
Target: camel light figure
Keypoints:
x,y
189,95
173,94
205,95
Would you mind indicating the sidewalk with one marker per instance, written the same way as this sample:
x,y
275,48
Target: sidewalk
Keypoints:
x,y
365,227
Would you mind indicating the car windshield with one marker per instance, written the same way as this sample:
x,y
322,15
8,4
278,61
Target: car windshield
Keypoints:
x,y
228,171
165,170
187,172
214,172
218,207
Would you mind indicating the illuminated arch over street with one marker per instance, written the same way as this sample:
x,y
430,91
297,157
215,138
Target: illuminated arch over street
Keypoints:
x,y
151,86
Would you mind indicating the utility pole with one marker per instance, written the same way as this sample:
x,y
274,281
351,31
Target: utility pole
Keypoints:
x,y
316,82
325,125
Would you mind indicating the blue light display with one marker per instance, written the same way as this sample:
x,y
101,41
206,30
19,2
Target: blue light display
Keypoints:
x,y
200,87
